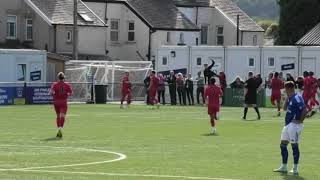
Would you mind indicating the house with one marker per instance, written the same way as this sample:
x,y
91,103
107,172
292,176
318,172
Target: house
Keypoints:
x,y
48,25
312,38
218,19
138,27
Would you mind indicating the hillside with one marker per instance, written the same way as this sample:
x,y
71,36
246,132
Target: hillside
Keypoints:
x,y
260,9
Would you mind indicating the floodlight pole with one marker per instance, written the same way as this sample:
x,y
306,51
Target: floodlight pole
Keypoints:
x,y
75,30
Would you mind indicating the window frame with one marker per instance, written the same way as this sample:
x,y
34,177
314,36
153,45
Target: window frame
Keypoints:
x,y
29,25
168,37
166,60
207,35
197,60
274,62
131,31
15,27
115,30
69,40
254,62
219,35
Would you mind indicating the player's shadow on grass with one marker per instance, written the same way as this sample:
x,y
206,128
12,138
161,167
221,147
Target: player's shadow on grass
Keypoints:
x,y
51,139
210,134
291,177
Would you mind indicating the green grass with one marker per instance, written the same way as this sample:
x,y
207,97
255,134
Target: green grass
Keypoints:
x,y
171,141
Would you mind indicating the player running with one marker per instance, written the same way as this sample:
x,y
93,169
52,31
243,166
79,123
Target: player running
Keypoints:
x,y
60,92
306,90
213,94
252,87
314,90
153,87
276,86
126,90
291,133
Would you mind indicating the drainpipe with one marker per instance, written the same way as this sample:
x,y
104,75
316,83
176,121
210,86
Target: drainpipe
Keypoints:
x,y
55,38
224,59
151,31
190,60
260,48
299,59
197,14
238,19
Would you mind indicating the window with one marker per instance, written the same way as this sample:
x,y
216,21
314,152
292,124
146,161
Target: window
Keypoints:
x,y
251,62
204,34
114,30
181,39
168,37
11,27
254,40
85,17
69,36
21,72
271,62
164,60
199,61
220,37
131,31
29,31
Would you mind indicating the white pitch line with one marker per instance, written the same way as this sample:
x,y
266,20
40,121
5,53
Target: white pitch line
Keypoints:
x,y
119,174
120,157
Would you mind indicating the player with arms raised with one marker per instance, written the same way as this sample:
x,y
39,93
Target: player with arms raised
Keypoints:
x,y
60,92
126,90
291,133
213,94
276,86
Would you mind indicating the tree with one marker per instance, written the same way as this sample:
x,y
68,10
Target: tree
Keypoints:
x,y
297,17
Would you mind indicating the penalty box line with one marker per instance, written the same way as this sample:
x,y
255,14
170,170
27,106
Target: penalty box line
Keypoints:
x,y
115,174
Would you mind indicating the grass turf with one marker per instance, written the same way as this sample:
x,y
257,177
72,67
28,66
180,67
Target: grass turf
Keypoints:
x,y
174,141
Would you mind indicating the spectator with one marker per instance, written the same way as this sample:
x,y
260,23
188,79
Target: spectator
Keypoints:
x,y
223,81
161,89
237,83
172,88
290,78
299,82
189,89
181,89
281,76
200,88
268,80
146,85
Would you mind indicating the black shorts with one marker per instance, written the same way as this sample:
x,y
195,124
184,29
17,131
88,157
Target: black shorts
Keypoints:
x,y
250,99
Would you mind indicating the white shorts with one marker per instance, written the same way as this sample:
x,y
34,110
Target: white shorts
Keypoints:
x,y
292,133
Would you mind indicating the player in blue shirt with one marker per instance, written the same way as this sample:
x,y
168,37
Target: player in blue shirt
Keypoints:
x,y
291,133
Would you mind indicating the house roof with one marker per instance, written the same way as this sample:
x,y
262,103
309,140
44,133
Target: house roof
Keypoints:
x,y
61,12
227,8
157,14
312,38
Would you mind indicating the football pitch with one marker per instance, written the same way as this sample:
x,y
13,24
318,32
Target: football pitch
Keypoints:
x,y
105,142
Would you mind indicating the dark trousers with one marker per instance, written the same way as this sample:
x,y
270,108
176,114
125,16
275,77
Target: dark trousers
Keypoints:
x,y
161,94
182,96
173,94
200,90
190,96
148,98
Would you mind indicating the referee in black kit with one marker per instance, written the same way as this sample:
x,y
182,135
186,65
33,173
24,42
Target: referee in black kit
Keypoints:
x,y
251,88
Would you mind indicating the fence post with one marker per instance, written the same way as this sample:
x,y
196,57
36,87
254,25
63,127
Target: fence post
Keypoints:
x,y
25,92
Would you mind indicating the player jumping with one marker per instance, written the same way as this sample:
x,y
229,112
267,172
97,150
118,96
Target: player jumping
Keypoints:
x,y
153,87
213,94
126,90
276,86
296,112
60,92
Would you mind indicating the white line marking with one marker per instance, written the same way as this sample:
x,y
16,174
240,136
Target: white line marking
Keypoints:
x,y
119,174
120,157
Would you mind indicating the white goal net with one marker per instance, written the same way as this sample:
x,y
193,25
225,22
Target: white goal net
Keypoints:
x,y
84,76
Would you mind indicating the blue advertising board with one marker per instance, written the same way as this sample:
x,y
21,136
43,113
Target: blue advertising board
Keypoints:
x,y
287,67
7,95
35,76
38,95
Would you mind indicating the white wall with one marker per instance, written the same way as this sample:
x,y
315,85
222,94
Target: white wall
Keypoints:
x,y
92,40
234,60
34,60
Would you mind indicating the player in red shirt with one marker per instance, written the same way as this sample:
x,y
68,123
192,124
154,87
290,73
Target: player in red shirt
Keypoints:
x,y
153,87
60,92
314,90
213,94
307,90
276,86
126,90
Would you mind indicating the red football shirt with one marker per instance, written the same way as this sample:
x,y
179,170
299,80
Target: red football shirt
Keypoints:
x,y
213,92
313,85
154,82
61,91
125,83
307,85
276,85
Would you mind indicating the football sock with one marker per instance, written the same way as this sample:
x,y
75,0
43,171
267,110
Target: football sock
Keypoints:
x,y
284,153
257,110
296,153
295,166
245,112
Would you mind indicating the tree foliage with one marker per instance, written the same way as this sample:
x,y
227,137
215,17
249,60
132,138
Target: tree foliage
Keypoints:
x,y
297,17
260,9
